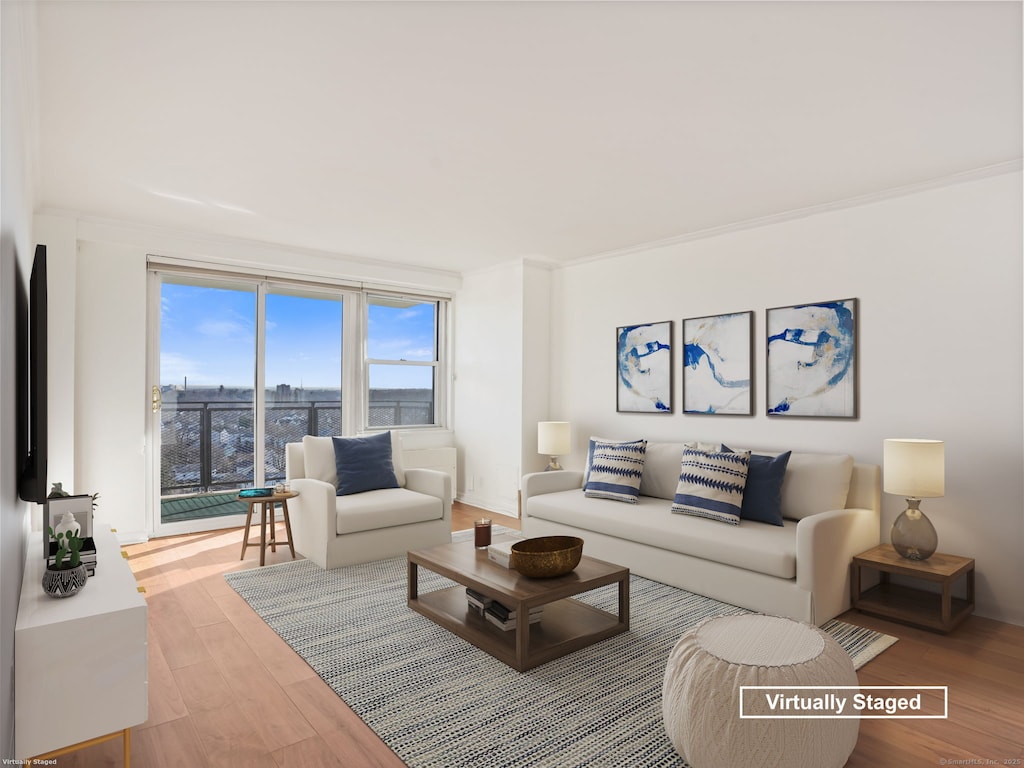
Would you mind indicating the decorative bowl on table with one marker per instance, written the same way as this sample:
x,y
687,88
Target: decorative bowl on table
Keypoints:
x,y
546,556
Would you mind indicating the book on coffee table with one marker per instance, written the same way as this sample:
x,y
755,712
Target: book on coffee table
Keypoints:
x,y
501,553
501,617
478,602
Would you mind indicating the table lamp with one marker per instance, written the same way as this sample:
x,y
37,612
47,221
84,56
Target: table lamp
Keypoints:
x,y
914,469
554,439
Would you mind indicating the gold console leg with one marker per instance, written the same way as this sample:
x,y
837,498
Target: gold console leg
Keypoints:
x,y
126,734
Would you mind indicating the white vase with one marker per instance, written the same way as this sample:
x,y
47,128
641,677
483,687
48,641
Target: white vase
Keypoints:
x,y
67,525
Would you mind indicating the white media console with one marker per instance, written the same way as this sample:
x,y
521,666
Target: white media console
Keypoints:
x,y
81,662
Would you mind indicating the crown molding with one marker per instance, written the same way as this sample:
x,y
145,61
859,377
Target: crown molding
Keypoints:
x,y
242,253
990,171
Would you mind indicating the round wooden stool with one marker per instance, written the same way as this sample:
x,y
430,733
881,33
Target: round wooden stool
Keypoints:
x,y
267,504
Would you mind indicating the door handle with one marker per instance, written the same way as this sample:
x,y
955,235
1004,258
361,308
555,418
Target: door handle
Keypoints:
x,y
157,399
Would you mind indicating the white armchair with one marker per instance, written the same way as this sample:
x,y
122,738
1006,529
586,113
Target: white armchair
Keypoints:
x,y
333,530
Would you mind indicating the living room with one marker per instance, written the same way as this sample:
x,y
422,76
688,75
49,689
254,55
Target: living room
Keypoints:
x,y
927,239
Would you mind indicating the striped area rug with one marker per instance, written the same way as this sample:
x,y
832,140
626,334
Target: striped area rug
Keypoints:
x,y
439,702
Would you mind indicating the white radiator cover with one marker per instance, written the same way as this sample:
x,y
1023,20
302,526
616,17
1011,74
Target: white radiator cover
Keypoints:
x,y
443,459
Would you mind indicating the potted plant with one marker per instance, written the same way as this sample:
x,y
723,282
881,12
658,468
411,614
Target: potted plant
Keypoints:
x,y
67,575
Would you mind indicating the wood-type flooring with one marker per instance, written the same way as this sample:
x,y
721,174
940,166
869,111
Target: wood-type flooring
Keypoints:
x,y
225,690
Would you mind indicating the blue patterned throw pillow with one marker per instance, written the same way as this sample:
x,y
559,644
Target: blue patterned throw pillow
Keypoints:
x,y
615,470
711,484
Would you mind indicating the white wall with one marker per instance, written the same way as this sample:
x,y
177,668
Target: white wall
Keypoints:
x,y
536,332
111,403
17,158
939,278
488,386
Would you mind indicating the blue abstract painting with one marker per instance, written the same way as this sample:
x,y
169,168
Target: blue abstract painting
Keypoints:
x,y
644,368
716,364
812,359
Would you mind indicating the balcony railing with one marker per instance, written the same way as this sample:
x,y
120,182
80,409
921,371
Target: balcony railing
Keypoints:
x,y
209,446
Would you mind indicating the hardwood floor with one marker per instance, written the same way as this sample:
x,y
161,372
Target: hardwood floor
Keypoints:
x,y
225,690
463,517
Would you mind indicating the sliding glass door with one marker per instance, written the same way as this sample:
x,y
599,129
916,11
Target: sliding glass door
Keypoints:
x,y
302,371
205,400
244,367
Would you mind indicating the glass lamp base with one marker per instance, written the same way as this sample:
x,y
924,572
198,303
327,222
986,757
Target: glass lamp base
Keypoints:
x,y
913,534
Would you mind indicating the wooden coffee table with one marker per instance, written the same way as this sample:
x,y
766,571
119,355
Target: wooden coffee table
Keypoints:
x,y
566,625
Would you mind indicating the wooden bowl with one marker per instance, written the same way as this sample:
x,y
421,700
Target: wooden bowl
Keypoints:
x,y
547,556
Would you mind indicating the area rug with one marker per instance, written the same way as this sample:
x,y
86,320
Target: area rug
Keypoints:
x,y
439,702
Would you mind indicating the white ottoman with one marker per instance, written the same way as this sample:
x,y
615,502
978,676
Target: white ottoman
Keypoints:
x,y
701,694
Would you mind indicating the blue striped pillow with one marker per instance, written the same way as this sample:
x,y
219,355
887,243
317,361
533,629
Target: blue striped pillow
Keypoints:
x,y
711,484
616,470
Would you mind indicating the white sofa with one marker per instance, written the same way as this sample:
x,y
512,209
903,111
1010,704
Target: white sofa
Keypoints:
x,y
333,530
801,569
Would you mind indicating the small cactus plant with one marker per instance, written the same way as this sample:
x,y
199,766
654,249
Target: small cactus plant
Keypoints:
x,y
69,546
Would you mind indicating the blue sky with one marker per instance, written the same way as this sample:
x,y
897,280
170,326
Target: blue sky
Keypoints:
x,y
209,335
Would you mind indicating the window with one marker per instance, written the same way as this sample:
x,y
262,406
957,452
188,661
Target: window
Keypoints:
x,y
403,360
242,365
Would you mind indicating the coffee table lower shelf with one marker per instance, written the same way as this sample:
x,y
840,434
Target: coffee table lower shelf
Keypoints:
x,y
565,626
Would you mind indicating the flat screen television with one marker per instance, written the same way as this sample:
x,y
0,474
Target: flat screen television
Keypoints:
x,y
32,385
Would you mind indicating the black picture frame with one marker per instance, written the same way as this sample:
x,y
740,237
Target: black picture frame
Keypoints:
x,y
643,368
811,360
718,364
53,510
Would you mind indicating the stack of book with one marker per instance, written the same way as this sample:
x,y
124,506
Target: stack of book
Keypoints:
x,y
503,618
255,493
478,603
495,612
87,555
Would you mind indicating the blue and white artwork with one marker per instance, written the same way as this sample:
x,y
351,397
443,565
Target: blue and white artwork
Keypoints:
x,y
643,356
716,364
812,359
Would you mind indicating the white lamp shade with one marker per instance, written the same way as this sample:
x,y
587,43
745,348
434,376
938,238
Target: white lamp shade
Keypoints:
x,y
553,438
914,468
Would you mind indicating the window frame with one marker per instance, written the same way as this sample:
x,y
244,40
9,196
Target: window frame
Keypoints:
x,y
442,373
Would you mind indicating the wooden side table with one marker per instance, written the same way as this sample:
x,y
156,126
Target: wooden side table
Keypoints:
x,y
941,612
267,504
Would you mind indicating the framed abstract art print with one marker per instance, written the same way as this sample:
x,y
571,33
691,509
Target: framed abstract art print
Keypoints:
x,y
643,362
717,363
812,359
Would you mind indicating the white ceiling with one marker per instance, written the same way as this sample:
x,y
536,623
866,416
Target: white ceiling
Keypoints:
x,y
459,135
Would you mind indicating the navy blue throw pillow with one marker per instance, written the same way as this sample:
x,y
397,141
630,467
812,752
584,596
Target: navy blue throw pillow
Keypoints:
x,y
762,498
364,463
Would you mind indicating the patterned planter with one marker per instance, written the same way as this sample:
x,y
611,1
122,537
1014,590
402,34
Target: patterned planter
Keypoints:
x,y
65,582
